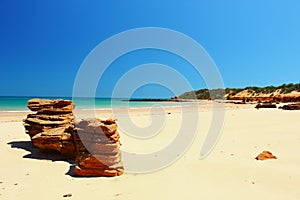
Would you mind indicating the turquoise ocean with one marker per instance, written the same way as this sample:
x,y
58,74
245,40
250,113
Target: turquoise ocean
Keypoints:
x,y
14,104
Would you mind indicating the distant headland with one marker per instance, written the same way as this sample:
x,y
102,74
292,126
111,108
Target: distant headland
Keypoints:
x,y
283,93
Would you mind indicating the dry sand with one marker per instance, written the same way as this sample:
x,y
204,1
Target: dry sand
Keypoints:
x,y
229,172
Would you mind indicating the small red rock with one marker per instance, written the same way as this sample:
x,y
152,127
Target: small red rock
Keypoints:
x,y
265,155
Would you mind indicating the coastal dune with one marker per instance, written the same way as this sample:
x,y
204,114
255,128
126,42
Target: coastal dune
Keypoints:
x,y
229,172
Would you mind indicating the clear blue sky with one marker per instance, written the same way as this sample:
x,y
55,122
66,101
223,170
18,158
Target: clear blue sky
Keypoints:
x,y
43,43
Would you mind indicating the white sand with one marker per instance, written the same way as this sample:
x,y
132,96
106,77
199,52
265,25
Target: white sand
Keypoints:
x,y
229,172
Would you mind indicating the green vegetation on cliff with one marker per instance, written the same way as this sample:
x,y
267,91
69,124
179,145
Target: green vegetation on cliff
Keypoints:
x,y
220,93
204,94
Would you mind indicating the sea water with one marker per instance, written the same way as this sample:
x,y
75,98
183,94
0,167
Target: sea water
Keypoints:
x,y
14,104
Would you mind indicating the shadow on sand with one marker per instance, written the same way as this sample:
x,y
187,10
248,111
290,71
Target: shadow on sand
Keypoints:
x,y
36,153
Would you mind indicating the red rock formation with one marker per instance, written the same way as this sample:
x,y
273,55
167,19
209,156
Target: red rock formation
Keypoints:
x,y
57,106
97,145
295,106
266,105
49,127
283,99
265,155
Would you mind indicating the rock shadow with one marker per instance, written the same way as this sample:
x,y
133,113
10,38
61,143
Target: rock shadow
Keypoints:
x,y
71,171
36,153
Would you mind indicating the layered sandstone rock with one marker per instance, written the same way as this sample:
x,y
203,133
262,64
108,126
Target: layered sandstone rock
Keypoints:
x,y
265,155
49,128
283,99
97,144
266,105
295,106
94,142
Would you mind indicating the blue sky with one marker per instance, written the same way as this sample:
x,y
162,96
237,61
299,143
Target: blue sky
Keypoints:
x,y
43,43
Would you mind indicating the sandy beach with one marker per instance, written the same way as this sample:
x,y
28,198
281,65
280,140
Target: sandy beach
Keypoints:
x,y
229,172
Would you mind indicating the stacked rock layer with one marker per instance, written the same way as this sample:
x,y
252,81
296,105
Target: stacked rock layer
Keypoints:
x,y
295,106
49,128
97,144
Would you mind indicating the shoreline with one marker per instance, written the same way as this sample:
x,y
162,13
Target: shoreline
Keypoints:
x,y
144,103
199,105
